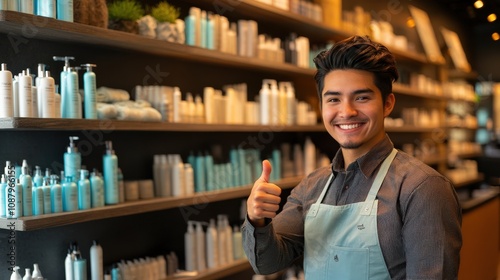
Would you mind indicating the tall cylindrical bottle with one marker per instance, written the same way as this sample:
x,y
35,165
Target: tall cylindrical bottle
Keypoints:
x,y
27,184
72,159
55,195
89,92
110,172
25,95
84,190
48,92
96,262
6,93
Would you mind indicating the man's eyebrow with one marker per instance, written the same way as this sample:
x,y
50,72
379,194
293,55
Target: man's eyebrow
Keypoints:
x,y
358,91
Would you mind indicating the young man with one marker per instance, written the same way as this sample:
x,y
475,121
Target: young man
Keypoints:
x,y
375,212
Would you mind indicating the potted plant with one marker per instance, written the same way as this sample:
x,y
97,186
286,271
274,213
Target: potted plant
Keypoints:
x,y
169,26
123,15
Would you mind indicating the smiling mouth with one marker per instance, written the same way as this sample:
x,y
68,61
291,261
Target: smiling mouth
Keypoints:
x,y
349,126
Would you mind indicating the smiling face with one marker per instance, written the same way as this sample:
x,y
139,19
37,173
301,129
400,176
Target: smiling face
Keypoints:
x,y
353,111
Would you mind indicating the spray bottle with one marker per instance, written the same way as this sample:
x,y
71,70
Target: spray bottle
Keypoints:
x,y
89,92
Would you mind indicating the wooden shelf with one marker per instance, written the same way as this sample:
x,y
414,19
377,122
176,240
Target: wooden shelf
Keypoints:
x,y
480,199
217,273
470,181
131,208
406,90
61,31
409,129
113,125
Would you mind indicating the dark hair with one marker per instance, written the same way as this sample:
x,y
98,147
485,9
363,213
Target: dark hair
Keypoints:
x,y
358,53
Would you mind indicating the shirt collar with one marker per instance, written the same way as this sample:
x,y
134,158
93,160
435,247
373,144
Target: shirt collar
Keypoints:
x,y
368,162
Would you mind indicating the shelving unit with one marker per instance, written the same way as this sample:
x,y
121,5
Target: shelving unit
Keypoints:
x,y
129,208
46,31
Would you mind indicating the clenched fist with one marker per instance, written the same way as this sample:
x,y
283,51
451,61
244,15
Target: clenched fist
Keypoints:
x,y
264,199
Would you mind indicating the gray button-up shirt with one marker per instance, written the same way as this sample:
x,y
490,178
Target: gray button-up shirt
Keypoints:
x,y
418,220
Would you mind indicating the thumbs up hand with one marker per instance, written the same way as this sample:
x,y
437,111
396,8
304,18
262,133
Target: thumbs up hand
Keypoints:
x,y
264,199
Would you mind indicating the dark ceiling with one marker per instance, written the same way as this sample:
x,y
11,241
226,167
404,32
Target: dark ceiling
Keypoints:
x,y
464,9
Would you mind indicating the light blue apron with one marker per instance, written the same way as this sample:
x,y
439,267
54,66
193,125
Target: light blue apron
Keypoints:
x,y
341,242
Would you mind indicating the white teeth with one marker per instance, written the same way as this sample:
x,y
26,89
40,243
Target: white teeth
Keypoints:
x,y
349,126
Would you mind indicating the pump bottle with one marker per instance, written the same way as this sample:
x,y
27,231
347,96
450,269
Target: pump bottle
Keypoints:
x,y
6,93
110,170
72,159
63,84
89,95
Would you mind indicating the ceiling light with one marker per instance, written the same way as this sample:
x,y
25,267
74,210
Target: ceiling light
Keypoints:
x,y
492,17
495,36
410,22
478,4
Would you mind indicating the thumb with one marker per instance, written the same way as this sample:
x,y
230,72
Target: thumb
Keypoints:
x,y
266,170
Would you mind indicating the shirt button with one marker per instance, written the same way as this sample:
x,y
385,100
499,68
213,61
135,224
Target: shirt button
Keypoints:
x,y
346,187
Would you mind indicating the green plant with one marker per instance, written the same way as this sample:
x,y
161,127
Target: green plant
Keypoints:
x,y
164,12
125,10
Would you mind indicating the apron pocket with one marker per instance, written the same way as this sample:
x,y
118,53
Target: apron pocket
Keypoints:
x,y
348,263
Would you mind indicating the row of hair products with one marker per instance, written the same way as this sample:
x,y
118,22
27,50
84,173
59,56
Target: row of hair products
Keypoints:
x,y
23,193
276,104
59,9
217,246
215,32
25,96
36,274
204,171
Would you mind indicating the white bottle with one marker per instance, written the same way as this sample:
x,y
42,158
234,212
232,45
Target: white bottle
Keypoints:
x,y
6,93
221,240
190,248
274,109
229,240
309,156
40,75
25,95
15,274
36,272
15,96
96,262
47,96
264,96
177,105
188,179
212,245
27,274
3,201
208,98
200,247
237,244
177,172
68,265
